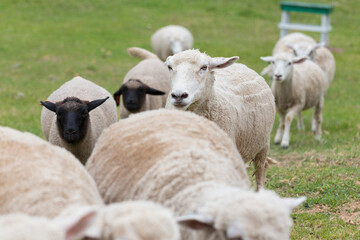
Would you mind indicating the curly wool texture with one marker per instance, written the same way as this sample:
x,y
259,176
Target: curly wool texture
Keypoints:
x,y
163,38
153,73
186,163
100,118
38,178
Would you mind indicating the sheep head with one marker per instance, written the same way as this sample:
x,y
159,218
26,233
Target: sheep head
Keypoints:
x,y
249,216
72,117
283,65
191,74
134,92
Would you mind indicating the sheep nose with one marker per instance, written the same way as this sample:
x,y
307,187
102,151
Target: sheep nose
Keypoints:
x,y
179,97
70,131
278,75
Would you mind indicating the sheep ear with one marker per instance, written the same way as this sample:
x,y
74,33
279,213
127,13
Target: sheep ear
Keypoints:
x,y
196,221
117,96
153,91
94,104
234,232
290,46
49,105
76,225
267,59
299,59
221,62
292,203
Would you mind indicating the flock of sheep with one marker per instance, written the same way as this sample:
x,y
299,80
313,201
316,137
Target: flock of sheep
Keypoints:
x,y
163,174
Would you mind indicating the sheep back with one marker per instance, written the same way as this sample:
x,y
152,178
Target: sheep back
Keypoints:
x,y
173,151
38,178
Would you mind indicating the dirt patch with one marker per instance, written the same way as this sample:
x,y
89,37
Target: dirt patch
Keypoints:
x,y
350,213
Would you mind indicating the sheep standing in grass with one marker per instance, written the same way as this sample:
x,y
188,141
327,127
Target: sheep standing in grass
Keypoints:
x,y
74,116
187,163
230,94
142,83
170,40
24,227
38,178
297,85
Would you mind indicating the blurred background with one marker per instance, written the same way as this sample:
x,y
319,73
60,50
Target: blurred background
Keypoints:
x,y
46,43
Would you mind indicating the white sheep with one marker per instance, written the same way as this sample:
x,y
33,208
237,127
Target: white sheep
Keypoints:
x,y
75,114
230,94
24,227
38,178
187,163
142,83
298,84
134,220
170,40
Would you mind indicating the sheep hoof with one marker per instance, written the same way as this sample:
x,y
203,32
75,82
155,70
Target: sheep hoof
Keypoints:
x,y
277,143
284,146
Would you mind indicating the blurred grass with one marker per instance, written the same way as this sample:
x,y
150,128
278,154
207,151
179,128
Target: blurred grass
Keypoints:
x,y
45,43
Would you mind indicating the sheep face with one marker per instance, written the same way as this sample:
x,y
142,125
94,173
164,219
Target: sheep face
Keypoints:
x,y
283,65
133,93
72,117
191,74
263,215
305,49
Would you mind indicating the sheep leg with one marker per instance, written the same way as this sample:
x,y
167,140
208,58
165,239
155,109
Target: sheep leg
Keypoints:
x,y
313,123
280,130
260,168
318,118
288,119
300,123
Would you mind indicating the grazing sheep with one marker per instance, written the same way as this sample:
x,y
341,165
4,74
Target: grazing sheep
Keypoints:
x,y
187,163
23,227
40,179
170,40
141,84
297,85
79,111
230,94
135,220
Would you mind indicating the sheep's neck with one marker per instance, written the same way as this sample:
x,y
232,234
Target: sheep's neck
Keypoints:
x,y
283,93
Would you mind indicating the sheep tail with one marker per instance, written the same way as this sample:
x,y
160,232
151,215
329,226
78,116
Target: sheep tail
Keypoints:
x,y
140,53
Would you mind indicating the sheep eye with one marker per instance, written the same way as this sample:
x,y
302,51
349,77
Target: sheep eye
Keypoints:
x,y
203,68
170,68
289,63
272,62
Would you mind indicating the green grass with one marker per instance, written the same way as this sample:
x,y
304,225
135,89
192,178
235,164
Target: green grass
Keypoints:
x,y
45,43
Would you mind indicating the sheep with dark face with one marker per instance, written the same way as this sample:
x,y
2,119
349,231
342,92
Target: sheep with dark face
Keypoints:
x,y
145,86
77,123
133,94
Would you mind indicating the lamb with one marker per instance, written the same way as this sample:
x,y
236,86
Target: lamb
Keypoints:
x,y
134,220
148,78
24,227
188,164
232,95
301,45
82,111
170,40
40,179
296,87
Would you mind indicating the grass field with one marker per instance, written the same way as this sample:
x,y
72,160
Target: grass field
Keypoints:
x,y
45,43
